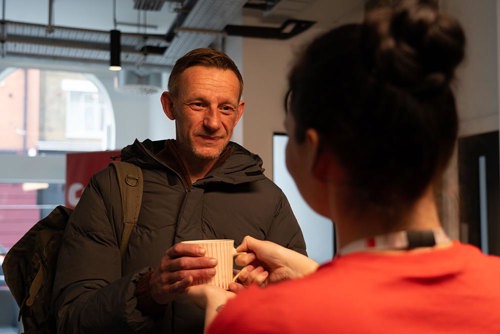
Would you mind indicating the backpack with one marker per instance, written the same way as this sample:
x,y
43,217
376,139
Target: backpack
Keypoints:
x,y
30,265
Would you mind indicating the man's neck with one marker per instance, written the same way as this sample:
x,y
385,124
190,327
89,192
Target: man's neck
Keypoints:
x,y
198,168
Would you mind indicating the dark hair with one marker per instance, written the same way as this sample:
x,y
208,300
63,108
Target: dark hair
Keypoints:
x,y
379,95
202,57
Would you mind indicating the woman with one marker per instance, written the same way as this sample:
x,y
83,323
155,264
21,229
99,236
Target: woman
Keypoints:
x,y
372,124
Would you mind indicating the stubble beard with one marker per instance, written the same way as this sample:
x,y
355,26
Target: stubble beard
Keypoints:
x,y
203,155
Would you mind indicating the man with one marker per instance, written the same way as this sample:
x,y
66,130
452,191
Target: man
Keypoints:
x,y
198,186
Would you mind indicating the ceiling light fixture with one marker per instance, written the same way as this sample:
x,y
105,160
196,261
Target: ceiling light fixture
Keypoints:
x,y
115,50
115,47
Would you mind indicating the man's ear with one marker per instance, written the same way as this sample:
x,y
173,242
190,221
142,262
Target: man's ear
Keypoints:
x,y
168,105
240,110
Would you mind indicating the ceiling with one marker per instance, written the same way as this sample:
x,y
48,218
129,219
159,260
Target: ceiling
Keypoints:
x,y
154,33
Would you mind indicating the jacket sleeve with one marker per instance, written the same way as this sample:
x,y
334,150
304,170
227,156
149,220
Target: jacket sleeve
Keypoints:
x,y
285,229
90,295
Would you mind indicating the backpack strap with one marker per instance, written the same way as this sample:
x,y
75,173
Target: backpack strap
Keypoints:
x,y
131,185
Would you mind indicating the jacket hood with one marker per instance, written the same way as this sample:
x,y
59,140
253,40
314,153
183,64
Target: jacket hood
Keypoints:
x,y
240,167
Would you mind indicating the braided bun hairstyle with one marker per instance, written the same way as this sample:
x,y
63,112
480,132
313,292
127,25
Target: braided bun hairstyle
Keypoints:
x,y
414,46
379,94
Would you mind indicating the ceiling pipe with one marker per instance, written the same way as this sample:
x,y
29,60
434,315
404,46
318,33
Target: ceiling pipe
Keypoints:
x,y
200,31
182,15
71,62
3,32
50,25
134,24
75,43
114,14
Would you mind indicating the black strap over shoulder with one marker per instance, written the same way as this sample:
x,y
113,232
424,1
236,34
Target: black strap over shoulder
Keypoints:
x,y
131,185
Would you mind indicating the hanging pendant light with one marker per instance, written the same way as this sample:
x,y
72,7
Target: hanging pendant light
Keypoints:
x,y
115,45
115,50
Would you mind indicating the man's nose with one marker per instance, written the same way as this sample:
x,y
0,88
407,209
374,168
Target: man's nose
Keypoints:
x,y
212,118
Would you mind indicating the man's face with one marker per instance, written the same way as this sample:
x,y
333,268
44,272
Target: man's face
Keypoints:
x,y
206,110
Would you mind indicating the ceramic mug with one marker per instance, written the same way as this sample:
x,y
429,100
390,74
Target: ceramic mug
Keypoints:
x,y
223,250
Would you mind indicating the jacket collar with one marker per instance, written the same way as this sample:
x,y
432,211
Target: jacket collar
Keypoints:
x,y
171,157
235,166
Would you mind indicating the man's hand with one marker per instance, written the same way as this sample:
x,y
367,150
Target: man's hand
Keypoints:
x,y
181,266
210,298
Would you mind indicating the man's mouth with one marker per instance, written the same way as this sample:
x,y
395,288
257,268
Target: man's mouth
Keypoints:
x,y
210,138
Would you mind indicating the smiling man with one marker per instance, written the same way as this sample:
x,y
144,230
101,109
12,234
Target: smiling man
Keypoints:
x,y
205,103
198,186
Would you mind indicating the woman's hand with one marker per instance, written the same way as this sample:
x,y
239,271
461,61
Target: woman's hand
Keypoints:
x,y
266,262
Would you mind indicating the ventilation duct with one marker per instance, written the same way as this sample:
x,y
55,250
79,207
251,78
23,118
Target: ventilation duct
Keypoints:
x,y
132,82
153,5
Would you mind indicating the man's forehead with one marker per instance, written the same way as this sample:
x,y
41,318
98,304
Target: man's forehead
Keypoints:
x,y
206,78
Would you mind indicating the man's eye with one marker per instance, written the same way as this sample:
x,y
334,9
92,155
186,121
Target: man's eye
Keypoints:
x,y
227,109
197,106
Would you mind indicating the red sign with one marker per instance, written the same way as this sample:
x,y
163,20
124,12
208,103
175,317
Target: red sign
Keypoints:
x,y
79,169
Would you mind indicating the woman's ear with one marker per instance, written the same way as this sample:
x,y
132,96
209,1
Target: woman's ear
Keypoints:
x,y
312,150
168,105
320,160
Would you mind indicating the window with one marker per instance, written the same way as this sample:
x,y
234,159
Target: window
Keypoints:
x,y
45,114
53,111
84,111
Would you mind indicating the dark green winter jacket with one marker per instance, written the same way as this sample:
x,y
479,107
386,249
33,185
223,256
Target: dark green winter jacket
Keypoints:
x,y
94,288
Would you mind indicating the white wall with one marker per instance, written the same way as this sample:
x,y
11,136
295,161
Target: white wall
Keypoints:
x,y
476,89
233,46
477,86
266,63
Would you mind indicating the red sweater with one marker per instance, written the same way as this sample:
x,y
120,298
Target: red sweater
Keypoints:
x,y
452,290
